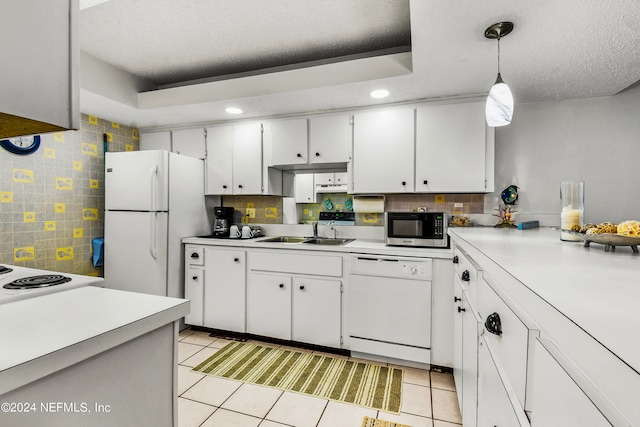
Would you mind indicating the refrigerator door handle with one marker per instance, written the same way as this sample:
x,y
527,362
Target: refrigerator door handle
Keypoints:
x,y
154,188
153,239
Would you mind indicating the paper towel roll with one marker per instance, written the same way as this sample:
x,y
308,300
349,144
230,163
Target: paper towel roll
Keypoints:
x,y
368,204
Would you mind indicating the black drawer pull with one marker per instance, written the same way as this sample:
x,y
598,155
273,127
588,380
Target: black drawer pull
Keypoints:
x,y
302,287
224,186
455,259
456,299
460,309
317,154
425,182
236,259
281,285
195,278
404,182
493,324
240,186
465,276
195,255
299,155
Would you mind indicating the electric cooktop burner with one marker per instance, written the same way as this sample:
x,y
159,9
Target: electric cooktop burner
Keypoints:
x,y
5,270
33,282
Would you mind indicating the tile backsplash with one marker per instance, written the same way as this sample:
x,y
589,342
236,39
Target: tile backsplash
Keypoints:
x,y
52,201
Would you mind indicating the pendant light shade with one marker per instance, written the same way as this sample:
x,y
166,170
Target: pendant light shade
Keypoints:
x,y
499,107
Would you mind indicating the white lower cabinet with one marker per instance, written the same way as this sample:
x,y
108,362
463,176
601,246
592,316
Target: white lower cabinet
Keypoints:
x,y
316,311
269,305
495,399
558,401
294,296
224,289
194,291
215,282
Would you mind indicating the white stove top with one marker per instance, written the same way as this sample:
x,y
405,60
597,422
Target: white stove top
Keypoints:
x,y
10,295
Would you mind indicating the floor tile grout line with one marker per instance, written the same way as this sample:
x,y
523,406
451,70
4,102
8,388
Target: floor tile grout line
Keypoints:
x,y
323,411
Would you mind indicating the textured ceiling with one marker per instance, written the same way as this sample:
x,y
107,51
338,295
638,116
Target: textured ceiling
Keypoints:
x,y
168,42
558,50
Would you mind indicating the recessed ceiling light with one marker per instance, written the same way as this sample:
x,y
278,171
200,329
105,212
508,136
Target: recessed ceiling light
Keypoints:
x,y
234,110
379,93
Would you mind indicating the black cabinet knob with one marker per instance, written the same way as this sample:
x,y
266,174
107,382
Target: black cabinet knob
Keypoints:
x,y
317,154
224,186
240,186
465,276
493,324
302,287
425,182
404,182
195,278
456,299
455,259
281,285
299,155
236,259
195,255
460,309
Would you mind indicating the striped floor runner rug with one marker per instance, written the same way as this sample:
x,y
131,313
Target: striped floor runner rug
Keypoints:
x,y
358,383
375,422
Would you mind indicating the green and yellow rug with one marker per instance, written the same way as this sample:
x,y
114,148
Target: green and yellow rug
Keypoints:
x,y
376,422
347,381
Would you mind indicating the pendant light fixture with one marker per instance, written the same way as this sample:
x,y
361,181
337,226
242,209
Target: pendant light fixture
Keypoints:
x,y
499,108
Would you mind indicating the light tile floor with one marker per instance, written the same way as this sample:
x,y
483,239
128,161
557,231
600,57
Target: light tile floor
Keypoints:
x,y
428,398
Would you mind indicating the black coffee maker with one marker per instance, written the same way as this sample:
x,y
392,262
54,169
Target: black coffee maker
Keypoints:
x,y
223,221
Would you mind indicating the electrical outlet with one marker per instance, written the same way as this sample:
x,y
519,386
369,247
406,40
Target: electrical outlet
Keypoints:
x,y
251,212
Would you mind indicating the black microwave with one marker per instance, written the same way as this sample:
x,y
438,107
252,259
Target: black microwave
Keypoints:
x,y
423,229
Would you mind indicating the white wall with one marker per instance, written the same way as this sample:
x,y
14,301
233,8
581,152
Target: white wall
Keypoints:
x,y
595,140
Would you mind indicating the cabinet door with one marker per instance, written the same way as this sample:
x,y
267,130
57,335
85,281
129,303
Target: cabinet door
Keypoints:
x,y
316,311
327,178
155,141
219,163
450,148
224,291
189,142
194,291
457,337
304,188
269,305
383,146
289,142
495,404
329,139
470,334
557,399
247,158
40,73
340,178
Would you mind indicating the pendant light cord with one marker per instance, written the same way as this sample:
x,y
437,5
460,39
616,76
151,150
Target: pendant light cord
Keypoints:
x,y
498,54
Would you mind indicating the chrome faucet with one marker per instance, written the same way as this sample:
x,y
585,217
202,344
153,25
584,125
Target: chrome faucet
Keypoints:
x,y
335,231
314,224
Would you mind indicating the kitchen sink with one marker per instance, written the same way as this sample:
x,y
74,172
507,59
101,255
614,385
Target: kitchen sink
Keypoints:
x,y
284,239
327,241
311,240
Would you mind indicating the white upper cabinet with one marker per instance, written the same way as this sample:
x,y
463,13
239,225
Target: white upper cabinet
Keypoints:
x,y
304,188
289,139
39,76
189,142
383,146
219,163
329,139
247,158
451,148
155,141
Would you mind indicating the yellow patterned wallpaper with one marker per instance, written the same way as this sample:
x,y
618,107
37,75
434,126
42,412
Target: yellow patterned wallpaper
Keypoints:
x,y
52,201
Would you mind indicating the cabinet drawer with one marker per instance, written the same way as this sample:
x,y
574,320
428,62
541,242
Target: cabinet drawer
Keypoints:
x,y
194,255
467,272
321,265
509,337
496,406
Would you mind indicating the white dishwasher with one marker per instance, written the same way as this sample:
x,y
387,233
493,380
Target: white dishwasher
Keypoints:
x,y
390,306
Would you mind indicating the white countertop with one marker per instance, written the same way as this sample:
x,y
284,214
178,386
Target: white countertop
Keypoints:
x,y
45,334
597,290
375,247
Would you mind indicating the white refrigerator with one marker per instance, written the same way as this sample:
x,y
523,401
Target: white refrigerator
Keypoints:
x,y
153,199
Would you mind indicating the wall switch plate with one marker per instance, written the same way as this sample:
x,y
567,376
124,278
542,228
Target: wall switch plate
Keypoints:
x,y
251,212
